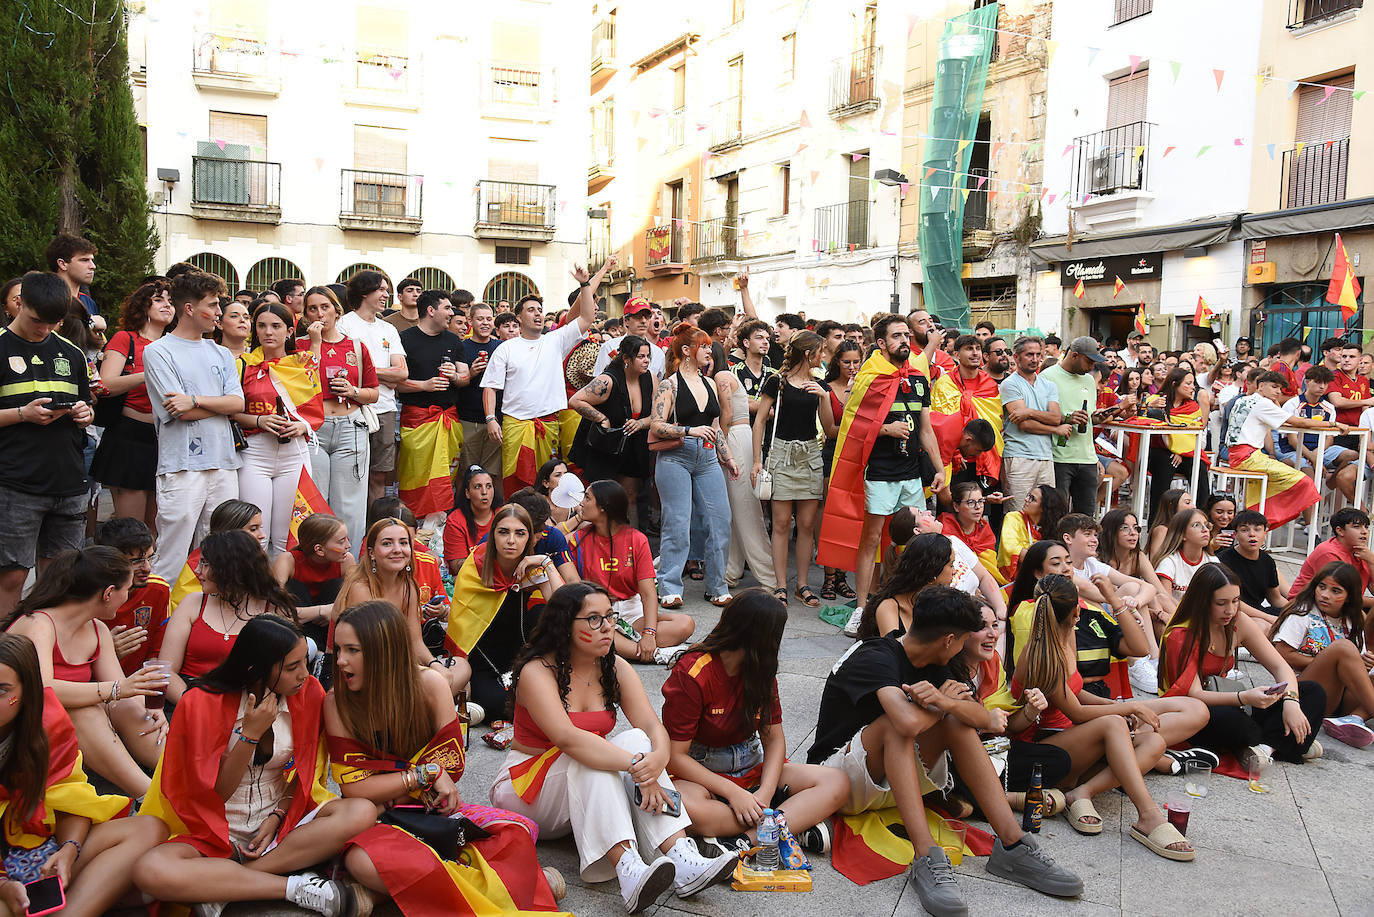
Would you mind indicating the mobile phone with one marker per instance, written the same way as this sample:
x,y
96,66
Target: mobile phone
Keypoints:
x,y
62,402
1276,688
672,807
45,896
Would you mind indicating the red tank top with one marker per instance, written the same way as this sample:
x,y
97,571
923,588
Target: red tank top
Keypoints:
x,y
1053,717
62,670
528,733
205,646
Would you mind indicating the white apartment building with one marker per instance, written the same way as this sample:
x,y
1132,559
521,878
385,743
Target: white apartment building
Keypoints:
x,y
425,138
1151,113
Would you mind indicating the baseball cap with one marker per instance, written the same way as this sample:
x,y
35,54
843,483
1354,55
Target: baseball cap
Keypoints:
x,y
638,304
1088,348
569,492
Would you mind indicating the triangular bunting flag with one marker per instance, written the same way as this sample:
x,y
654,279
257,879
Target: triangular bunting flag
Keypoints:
x,y
1270,148
929,172
1220,75
1203,149
1326,94
814,176
805,119
1092,54
1167,151
1176,67
1135,63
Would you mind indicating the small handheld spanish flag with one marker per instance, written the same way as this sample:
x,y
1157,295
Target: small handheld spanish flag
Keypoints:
x,y
1344,289
1078,288
1117,287
1203,314
1141,324
309,500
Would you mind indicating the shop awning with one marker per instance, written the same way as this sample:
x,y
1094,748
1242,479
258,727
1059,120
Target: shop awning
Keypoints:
x,y
1208,230
1300,220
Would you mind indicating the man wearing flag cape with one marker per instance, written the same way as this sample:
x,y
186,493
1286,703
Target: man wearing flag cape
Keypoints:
x,y
883,437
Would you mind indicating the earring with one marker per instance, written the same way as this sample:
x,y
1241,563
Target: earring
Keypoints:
x,y
407,567
374,563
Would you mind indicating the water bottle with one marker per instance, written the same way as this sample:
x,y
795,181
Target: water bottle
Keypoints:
x,y
1035,802
767,858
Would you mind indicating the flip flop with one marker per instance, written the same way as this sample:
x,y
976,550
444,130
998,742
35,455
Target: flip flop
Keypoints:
x,y
1079,810
1054,802
1158,841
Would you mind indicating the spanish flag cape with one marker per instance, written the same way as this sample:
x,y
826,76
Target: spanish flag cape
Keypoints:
x,y
431,438
188,581
982,542
475,605
527,444
1018,534
954,401
495,875
66,789
870,399
296,377
183,791
1118,677
1184,414
1132,453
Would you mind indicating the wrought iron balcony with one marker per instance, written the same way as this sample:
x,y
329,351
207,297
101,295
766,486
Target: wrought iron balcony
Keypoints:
x,y
1314,173
515,210
842,227
727,123
853,82
976,212
382,72
514,85
380,200
236,189
235,61
1112,161
1126,10
603,45
1308,12
667,247
715,240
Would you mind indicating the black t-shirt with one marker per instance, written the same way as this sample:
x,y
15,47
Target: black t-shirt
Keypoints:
x,y
850,702
750,382
798,418
1098,638
424,353
719,363
470,395
1256,576
42,460
887,461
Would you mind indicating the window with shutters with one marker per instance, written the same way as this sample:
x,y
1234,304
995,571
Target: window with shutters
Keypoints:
x,y
382,41
1314,170
234,41
231,169
789,56
246,133
512,254
378,183
1126,98
513,74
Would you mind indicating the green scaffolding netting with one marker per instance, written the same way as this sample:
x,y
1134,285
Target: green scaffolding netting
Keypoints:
x,y
960,76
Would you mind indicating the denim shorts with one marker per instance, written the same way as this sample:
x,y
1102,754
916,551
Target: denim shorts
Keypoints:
x,y
40,526
730,760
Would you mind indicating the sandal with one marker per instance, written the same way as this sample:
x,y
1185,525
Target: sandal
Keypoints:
x,y
780,594
842,586
1054,802
807,596
828,587
1159,840
1078,811
696,570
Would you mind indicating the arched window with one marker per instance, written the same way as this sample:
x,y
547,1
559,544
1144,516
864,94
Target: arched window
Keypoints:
x,y
352,269
434,279
510,286
219,265
269,270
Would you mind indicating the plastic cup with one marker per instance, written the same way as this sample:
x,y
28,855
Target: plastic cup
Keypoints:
x,y
1256,774
157,701
952,834
1197,777
1177,808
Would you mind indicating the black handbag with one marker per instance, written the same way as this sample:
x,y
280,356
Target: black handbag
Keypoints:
x,y
606,441
444,834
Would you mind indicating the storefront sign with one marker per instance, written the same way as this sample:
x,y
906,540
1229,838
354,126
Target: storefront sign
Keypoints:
x,y
1106,270
1258,249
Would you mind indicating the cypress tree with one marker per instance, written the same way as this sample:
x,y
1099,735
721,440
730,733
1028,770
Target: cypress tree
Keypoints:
x,y
73,157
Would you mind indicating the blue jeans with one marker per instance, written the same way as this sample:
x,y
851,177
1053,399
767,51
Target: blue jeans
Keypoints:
x,y
690,477
732,760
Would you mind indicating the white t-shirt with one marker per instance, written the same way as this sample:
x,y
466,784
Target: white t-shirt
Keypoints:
x,y
1264,417
530,372
603,357
383,341
1310,633
1178,573
966,565
1091,567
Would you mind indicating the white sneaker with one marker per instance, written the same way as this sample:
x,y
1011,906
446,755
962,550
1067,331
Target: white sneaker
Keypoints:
x,y
209,908
1145,675
476,714
694,871
669,655
326,896
641,883
1314,751
851,627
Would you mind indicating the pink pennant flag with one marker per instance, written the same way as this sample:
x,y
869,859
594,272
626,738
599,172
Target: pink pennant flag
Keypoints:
x,y
420,180
1220,75
319,163
805,120
1326,94
995,148
982,180
929,172
856,156
1135,63
1068,148
1168,150
814,176
1240,141
396,74
905,186
800,147
1050,201
220,144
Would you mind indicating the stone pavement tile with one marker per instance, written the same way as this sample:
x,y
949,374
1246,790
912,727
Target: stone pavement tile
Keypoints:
x,y
1354,893
1232,819
1335,836
1095,860
985,897
1219,883
827,647
831,895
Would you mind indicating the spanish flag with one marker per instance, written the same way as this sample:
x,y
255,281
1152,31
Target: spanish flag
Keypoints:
x,y
499,874
1018,534
1343,289
431,438
308,501
525,445
188,581
875,845
296,377
1078,289
954,401
1142,322
475,605
1203,314
66,790
1117,287
1186,414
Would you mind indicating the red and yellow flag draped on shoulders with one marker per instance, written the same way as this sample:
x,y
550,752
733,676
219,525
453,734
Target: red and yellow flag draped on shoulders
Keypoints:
x,y
954,401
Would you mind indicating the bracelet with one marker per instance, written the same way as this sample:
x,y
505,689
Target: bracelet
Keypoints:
x,y
238,731
114,693
20,409
408,781
1239,702
257,421
650,630
279,812
195,402
491,418
1288,697
74,842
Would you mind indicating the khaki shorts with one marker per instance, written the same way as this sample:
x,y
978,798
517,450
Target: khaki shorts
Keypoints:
x,y
866,795
383,443
796,469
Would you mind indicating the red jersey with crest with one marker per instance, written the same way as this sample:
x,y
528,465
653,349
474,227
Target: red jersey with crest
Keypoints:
x,y
618,562
148,607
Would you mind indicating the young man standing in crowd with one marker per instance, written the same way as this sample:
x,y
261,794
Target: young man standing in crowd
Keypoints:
x,y
406,315
507,326
1075,459
477,347
996,358
431,436
45,407
1290,352
1130,357
193,384
1350,393
963,395
639,320
383,343
292,294
73,259
1030,405
786,325
832,336
528,370
885,724
984,330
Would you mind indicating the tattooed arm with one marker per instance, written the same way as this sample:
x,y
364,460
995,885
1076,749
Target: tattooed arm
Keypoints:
x,y
593,393
722,450
660,424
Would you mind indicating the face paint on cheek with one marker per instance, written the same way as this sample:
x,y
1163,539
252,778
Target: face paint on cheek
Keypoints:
x,y
585,638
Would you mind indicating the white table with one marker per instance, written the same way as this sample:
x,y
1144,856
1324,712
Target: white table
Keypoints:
x,y
1139,488
1319,473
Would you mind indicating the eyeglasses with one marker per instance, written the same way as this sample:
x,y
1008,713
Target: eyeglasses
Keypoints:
x,y
975,502
596,622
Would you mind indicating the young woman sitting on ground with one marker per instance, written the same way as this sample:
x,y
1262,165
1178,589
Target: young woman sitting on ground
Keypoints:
x,y
1037,519
1183,552
239,787
1118,547
1221,513
724,719
565,774
968,524
1174,501
313,571
470,519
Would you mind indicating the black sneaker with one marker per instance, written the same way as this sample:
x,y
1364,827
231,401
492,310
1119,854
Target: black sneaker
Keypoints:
x,y
933,879
816,839
1034,868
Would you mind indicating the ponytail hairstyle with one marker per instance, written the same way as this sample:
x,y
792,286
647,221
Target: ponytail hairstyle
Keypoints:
x,y
314,531
24,773
233,514
800,347
75,576
1056,601
1352,612
684,335
923,559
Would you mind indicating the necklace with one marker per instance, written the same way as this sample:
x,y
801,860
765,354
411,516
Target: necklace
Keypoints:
x,y
589,683
224,619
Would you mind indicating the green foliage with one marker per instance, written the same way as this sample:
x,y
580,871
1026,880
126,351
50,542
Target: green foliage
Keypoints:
x,y
73,157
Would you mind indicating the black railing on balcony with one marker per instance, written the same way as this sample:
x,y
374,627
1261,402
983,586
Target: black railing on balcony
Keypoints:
x,y
727,122
1112,161
380,195
382,72
667,243
1126,10
598,242
976,207
248,183
842,227
515,85
1307,12
715,239
853,79
513,203
603,42
1314,173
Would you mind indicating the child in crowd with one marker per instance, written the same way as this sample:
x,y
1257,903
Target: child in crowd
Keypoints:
x,y
140,623
1263,590
1183,551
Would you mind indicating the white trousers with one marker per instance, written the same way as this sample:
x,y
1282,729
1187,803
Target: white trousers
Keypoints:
x,y
594,806
268,479
185,500
748,535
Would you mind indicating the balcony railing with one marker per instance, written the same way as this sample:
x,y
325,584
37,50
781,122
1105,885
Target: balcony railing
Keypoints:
x,y
675,129
1307,12
598,243
842,227
1314,174
383,196
1112,161
603,43
976,207
853,81
236,184
715,240
382,72
727,123
1127,10
515,85
667,244
515,205
229,55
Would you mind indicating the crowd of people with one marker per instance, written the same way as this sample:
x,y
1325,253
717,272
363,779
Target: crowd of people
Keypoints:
x,y
278,695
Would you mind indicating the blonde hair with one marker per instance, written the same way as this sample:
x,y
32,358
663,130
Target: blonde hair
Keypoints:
x,y
365,571
1055,599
